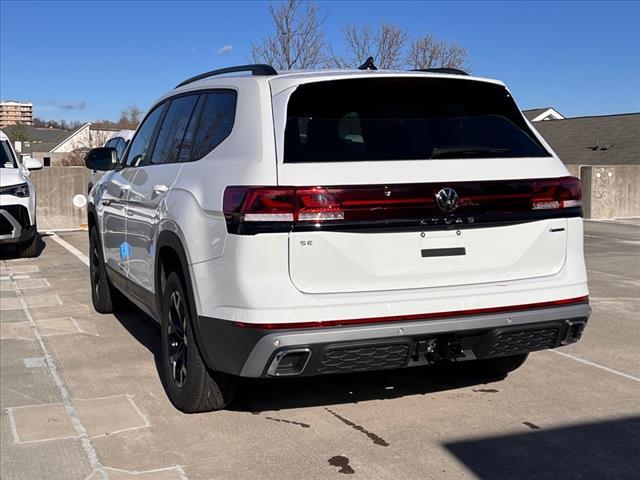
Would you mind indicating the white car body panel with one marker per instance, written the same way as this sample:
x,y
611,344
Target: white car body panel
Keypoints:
x,y
284,277
16,176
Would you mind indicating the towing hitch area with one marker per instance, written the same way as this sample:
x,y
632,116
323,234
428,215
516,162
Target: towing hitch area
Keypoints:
x,y
438,349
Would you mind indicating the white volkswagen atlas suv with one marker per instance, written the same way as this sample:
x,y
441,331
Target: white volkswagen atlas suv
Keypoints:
x,y
17,200
321,222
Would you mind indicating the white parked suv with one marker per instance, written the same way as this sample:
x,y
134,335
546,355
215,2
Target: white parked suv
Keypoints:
x,y
320,222
17,200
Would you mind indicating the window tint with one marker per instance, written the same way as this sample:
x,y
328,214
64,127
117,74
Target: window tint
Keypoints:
x,y
189,135
405,119
173,128
143,136
7,160
214,125
121,145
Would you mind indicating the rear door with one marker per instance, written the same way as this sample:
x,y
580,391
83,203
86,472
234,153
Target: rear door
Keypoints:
x,y
418,182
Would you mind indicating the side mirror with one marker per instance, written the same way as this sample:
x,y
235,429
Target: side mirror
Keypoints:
x,y
31,163
101,159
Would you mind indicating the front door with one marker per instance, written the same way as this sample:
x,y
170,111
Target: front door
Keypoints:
x,y
116,196
113,203
151,188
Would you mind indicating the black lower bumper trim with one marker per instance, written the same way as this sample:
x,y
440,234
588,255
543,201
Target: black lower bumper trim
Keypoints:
x,y
226,347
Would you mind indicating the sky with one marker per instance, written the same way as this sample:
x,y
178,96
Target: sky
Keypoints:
x,y
90,60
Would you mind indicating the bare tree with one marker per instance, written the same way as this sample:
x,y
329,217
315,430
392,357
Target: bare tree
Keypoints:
x,y
385,45
298,42
130,118
429,52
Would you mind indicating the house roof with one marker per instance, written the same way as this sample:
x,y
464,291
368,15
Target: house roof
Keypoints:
x,y
533,113
39,139
539,114
601,140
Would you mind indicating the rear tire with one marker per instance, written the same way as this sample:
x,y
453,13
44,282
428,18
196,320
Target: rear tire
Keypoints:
x,y
191,387
29,249
500,367
105,298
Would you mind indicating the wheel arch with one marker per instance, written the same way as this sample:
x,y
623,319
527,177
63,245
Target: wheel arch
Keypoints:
x,y
170,255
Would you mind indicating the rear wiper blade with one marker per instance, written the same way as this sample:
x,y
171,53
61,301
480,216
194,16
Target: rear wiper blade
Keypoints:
x,y
466,150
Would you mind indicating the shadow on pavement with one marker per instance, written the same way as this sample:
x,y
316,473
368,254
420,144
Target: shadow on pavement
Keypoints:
x,y
255,395
606,449
9,252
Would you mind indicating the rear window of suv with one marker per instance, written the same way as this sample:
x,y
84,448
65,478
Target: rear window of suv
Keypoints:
x,y
405,119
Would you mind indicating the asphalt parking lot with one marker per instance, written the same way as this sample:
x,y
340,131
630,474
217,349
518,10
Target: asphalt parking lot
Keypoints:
x,y
81,396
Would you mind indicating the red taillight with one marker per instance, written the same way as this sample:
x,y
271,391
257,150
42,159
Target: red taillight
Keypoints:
x,y
251,210
557,193
317,204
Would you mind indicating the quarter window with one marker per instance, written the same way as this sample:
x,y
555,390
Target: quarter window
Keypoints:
x,y
214,124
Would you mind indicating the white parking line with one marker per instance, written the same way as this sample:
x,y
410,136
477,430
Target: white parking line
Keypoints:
x,y
73,250
612,239
70,409
597,365
85,260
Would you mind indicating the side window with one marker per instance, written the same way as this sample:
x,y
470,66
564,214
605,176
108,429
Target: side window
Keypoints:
x,y
120,146
187,141
215,123
173,128
142,140
111,143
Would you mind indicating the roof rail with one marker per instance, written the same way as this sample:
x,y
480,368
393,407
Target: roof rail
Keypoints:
x,y
451,71
255,69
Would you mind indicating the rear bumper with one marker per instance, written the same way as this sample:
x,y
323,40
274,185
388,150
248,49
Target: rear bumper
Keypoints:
x,y
250,352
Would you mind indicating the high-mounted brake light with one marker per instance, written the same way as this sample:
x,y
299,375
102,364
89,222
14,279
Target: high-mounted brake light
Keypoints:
x,y
251,210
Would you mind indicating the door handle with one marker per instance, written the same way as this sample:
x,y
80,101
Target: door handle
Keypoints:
x,y
124,189
159,190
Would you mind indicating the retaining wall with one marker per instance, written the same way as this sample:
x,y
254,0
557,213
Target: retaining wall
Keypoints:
x,y
608,192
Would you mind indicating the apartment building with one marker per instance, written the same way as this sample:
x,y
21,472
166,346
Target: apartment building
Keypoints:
x,y
15,112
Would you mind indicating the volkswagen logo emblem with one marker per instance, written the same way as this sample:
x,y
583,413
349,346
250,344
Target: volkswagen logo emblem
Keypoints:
x,y
447,199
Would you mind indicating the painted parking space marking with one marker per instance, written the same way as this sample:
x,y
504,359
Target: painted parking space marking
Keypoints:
x,y
612,239
25,283
34,362
18,269
101,416
73,250
110,415
596,365
48,328
69,408
40,423
16,331
168,473
35,301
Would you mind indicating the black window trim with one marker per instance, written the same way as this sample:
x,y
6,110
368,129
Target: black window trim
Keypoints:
x,y
166,102
152,142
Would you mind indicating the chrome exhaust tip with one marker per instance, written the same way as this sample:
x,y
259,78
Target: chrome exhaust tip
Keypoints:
x,y
287,363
